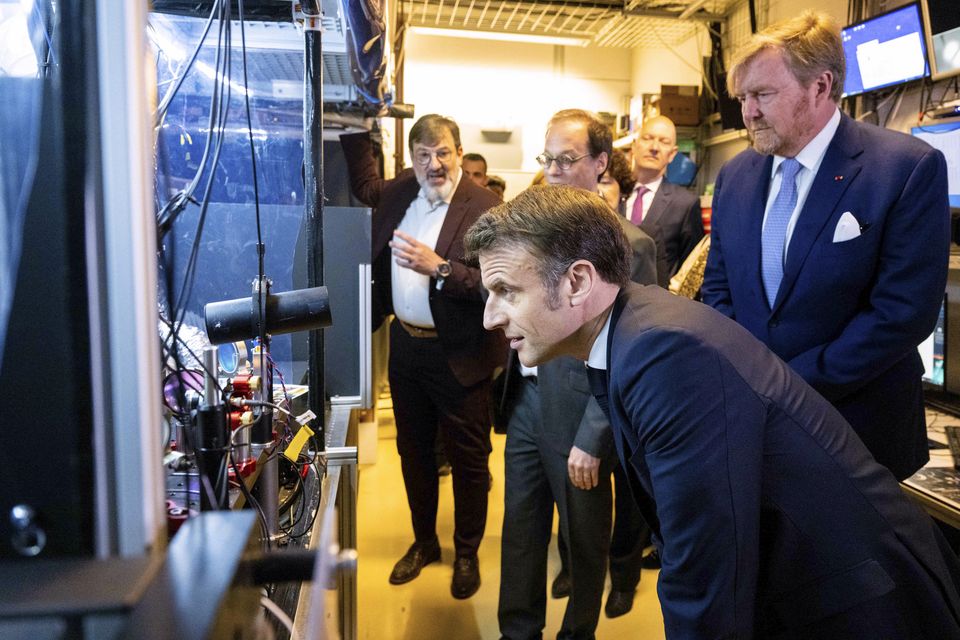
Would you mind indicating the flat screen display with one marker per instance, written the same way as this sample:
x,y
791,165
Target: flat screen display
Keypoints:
x,y
943,37
932,351
885,50
945,136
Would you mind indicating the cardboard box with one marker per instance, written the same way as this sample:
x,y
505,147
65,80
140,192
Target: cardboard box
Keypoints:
x,y
683,110
679,90
680,103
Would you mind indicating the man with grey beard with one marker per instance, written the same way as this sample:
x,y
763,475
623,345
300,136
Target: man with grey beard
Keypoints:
x,y
830,238
441,358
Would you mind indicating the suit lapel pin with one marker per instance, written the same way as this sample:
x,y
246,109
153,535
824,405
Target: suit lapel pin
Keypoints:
x,y
838,178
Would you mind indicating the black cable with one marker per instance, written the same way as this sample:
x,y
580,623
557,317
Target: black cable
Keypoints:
x,y
168,215
264,529
253,155
313,519
223,110
298,489
183,71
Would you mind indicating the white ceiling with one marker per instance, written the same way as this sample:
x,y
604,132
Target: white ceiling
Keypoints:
x,y
606,23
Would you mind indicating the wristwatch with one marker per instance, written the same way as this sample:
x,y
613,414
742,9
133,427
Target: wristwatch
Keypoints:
x,y
443,271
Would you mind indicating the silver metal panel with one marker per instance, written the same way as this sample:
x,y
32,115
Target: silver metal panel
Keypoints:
x,y
346,238
129,487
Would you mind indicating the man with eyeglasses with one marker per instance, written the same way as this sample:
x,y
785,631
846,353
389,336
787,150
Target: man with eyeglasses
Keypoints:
x,y
830,238
441,358
559,447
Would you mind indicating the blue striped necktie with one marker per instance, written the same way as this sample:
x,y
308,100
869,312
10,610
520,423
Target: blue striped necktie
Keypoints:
x,y
774,234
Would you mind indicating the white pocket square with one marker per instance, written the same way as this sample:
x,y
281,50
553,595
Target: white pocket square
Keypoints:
x,y
847,228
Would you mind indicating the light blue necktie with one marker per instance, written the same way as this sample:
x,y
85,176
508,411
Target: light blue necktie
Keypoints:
x,y
775,230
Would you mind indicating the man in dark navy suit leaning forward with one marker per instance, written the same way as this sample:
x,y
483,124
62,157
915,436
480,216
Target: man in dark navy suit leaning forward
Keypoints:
x,y
771,517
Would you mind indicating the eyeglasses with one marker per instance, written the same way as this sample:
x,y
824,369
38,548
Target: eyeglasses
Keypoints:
x,y
564,161
424,157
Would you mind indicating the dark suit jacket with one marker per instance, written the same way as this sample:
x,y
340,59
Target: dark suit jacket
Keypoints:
x,y
773,519
675,216
643,263
457,308
848,316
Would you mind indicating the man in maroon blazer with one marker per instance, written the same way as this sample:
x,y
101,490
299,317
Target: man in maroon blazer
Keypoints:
x,y
441,358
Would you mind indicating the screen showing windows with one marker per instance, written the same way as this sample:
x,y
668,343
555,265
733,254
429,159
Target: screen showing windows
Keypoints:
x,y
885,50
945,136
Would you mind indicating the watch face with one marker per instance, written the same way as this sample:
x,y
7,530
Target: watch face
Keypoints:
x,y
444,269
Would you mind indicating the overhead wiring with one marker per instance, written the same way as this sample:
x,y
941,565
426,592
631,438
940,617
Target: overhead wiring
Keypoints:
x,y
253,154
219,110
183,72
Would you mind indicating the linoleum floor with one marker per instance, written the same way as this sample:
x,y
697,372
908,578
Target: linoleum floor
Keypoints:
x,y
424,609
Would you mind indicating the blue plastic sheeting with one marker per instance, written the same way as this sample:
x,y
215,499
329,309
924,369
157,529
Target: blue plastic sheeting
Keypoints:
x,y
366,42
19,147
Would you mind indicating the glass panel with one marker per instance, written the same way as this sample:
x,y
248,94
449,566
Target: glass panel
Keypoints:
x,y
26,54
211,254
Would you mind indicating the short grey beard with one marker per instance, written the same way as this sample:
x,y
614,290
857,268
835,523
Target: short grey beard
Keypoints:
x,y
436,194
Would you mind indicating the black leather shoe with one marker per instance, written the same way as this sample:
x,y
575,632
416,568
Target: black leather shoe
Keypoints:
x,y
561,585
416,557
466,577
618,603
651,560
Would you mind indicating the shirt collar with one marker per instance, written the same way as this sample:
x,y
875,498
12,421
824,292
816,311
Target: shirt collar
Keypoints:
x,y
812,154
651,186
598,352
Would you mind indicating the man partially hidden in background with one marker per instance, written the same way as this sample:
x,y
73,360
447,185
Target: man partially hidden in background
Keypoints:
x,y
660,208
558,448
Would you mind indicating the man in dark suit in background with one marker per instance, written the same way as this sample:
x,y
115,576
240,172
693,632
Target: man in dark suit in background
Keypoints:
x,y
441,358
475,168
558,447
658,207
830,238
772,518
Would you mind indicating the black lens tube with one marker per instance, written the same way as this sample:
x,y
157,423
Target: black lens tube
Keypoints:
x,y
287,312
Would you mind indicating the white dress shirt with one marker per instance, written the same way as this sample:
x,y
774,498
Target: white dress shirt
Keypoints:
x,y
411,290
647,197
598,352
810,158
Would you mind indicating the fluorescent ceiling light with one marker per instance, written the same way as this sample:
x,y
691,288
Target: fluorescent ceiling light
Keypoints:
x,y
531,38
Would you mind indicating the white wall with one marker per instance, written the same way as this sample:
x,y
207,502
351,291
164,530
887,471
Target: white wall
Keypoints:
x,y
653,66
485,84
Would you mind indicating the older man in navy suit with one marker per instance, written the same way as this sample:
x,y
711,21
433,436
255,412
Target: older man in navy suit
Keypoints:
x,y
830,238
772,518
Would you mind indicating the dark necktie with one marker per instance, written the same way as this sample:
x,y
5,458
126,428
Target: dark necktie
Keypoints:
x,y
598,387
636,216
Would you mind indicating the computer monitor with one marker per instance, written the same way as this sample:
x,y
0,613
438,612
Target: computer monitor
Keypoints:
x,y
945,136
932,351
886,50
942,25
